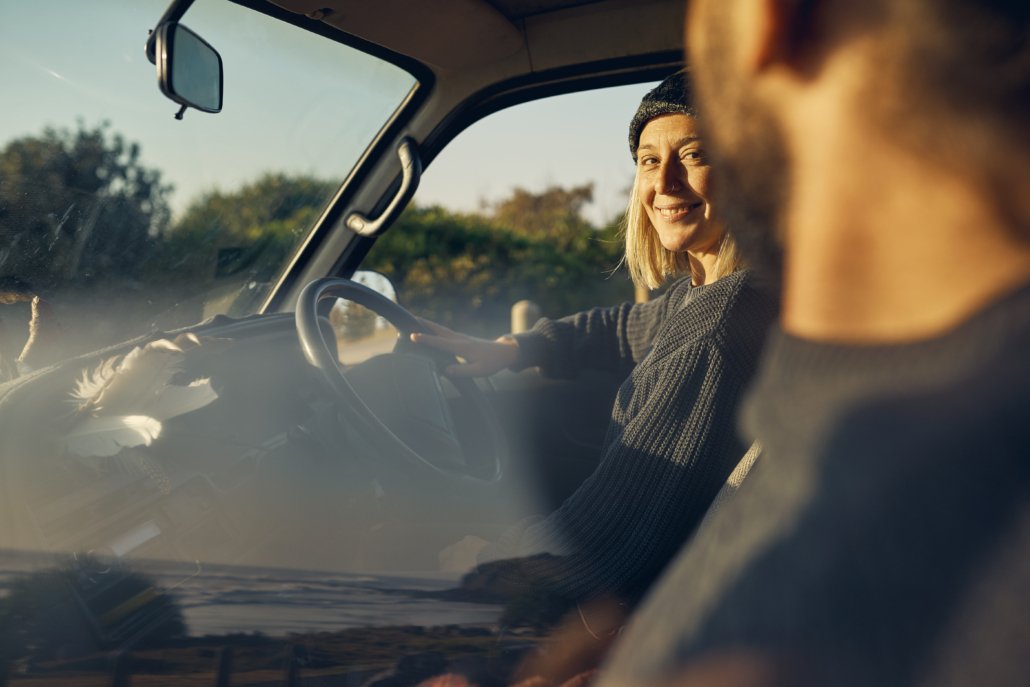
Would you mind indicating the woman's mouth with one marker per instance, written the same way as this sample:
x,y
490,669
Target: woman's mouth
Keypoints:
x,y
675,212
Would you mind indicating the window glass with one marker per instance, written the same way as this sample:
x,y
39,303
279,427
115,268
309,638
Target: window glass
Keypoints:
x,y
231,520
525,205
125,219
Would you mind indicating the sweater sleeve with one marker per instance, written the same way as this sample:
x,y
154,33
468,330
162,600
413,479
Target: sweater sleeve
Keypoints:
x,y
613,339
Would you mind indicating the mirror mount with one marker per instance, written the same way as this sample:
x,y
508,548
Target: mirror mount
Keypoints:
x,y
172,15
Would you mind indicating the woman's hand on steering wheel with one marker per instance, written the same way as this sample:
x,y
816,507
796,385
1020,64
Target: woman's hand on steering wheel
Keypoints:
x,y
479,357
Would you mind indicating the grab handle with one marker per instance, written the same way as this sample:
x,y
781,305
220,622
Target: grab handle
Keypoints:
x,y
411,172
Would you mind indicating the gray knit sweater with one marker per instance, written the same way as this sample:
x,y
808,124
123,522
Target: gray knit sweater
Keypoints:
x,y
672,440
883,538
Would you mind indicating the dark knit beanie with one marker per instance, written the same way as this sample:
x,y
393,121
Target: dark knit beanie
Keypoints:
x,y
671,96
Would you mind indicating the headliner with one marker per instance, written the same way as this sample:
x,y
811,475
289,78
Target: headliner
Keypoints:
x,y
520,9
506,37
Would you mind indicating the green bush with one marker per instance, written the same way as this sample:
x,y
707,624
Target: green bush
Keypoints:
x,y
466,271
88,225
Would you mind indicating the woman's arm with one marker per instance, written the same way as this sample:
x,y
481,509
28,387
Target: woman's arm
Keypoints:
x,y
614,339
671,444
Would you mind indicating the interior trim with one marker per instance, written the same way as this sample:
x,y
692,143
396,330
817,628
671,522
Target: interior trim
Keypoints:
x,y
425,81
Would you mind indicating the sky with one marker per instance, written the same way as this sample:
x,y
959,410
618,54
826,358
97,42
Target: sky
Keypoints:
x,y
566,140
289,110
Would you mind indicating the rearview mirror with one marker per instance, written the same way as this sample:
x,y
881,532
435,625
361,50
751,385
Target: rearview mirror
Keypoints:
x,y
189,71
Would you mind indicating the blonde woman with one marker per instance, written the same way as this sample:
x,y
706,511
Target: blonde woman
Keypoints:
x,y
686,356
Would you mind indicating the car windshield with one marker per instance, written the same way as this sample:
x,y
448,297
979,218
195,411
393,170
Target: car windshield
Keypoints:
x,y
126,220
217,504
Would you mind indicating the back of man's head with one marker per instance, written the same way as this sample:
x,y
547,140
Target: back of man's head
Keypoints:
x,y
955,74
881,146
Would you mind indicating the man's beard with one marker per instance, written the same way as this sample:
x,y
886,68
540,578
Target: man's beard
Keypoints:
x,y
750,192
750,165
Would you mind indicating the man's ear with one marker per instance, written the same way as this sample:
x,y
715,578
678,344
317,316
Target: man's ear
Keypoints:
x,y
774,32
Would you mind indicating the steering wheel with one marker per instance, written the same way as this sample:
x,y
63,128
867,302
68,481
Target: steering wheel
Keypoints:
x,y
483,466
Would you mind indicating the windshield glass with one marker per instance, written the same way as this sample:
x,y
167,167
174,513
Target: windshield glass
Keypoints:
x,y
126,220
208,507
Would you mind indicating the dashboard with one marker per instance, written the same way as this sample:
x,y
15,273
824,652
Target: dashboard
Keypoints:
x,y
273,472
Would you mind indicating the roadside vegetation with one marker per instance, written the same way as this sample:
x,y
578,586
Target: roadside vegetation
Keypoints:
x,y
113,241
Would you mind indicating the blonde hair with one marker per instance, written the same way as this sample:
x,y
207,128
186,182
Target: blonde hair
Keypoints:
x,y
650,263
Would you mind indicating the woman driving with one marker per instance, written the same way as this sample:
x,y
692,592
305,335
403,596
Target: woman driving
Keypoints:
x,y
686,357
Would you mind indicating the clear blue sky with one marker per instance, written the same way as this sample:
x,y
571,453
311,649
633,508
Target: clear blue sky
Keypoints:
x,y
289,110
566,140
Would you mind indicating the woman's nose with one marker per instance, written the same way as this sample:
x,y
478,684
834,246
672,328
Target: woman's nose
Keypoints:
x,y
670,177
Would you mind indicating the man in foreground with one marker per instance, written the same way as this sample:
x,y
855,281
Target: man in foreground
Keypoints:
x,y
876,156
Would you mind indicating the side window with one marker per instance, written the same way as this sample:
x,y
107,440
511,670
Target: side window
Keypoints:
x,y
525,205
360,333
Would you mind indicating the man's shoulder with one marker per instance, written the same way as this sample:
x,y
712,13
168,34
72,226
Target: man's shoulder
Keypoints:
x,y
971,422
868,553
912,501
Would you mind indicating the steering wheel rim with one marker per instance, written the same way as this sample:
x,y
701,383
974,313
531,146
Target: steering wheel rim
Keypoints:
x,y
320,355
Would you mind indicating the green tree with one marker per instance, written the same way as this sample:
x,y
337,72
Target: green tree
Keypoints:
x,y
58,188
466,271
555,217
227,243
555,214
246,233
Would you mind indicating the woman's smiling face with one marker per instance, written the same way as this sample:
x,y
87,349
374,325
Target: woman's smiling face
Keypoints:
x,y
673,184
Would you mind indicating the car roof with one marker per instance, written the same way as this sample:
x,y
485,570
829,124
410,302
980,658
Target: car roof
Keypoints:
x,y
505,36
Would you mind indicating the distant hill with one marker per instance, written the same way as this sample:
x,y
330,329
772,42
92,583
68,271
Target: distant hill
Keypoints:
x,y
518,584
